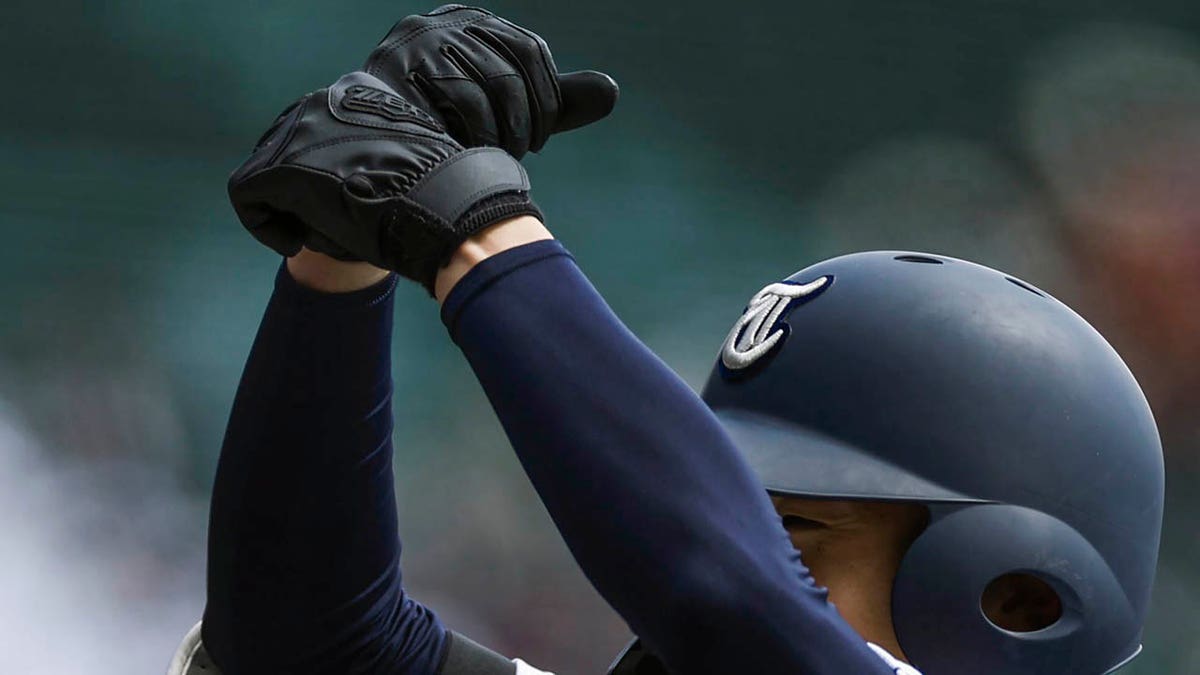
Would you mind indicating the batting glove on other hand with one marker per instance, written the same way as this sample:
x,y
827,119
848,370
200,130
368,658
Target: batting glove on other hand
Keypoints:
x,y
358,172
490,81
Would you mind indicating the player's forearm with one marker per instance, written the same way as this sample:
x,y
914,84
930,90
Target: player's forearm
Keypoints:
x,y
646,489
303,549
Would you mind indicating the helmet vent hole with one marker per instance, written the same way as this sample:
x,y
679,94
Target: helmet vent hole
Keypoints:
x,y
1021,284
918,259
1019,602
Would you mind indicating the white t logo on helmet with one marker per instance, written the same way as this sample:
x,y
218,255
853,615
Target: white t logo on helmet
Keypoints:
x,y
758,331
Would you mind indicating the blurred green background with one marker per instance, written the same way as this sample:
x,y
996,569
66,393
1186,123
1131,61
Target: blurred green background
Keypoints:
x,y
1056,140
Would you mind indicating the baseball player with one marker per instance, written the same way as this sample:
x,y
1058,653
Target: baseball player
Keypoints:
x,y
971,473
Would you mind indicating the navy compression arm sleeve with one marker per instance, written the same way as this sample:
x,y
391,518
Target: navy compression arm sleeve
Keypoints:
x,y
304,572
649,493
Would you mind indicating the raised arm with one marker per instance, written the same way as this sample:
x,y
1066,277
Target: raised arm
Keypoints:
x,y
304,572
650,495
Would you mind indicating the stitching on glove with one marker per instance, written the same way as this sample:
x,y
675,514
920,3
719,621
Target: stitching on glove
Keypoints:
x,y
422,140
291,133
498,188
268,169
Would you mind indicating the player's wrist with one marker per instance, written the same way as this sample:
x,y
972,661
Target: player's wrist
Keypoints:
x,y
484,244
329,275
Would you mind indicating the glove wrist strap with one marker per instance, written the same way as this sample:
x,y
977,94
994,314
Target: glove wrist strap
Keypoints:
x,y
457,184
466,193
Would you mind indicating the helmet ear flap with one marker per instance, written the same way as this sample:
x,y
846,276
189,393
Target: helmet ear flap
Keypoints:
x,y
936,598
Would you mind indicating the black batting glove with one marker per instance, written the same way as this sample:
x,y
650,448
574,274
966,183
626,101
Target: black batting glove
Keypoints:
x,y
358,172
490,81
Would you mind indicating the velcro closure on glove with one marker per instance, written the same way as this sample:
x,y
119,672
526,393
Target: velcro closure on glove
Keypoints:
x,y
466,179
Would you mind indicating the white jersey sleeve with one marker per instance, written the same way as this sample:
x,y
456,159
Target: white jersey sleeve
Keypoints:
x,y
897,666
526,669
190,657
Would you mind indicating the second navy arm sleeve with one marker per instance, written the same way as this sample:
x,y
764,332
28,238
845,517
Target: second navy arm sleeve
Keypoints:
x,y
650,495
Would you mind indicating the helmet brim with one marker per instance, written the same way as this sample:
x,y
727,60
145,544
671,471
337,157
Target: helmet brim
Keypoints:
x,y
792,460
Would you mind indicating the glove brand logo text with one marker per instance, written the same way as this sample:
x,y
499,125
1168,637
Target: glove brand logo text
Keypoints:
x,y
760,328
362,98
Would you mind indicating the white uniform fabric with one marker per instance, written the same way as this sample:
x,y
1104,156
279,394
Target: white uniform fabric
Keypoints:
x,y
185,656
181,663
897,666
526,669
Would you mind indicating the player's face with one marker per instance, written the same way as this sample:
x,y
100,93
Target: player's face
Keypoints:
x,y
841,531
854,548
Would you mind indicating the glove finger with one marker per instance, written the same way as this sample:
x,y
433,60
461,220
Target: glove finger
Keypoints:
x,y
587,96
461,105
394,57
504,88
513,119
404,30
530,56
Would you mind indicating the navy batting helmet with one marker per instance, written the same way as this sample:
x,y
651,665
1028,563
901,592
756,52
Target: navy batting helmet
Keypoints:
x,y
916,377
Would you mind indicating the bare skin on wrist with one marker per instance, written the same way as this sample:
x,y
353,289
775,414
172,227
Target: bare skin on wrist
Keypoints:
x,y
486,243
330,275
